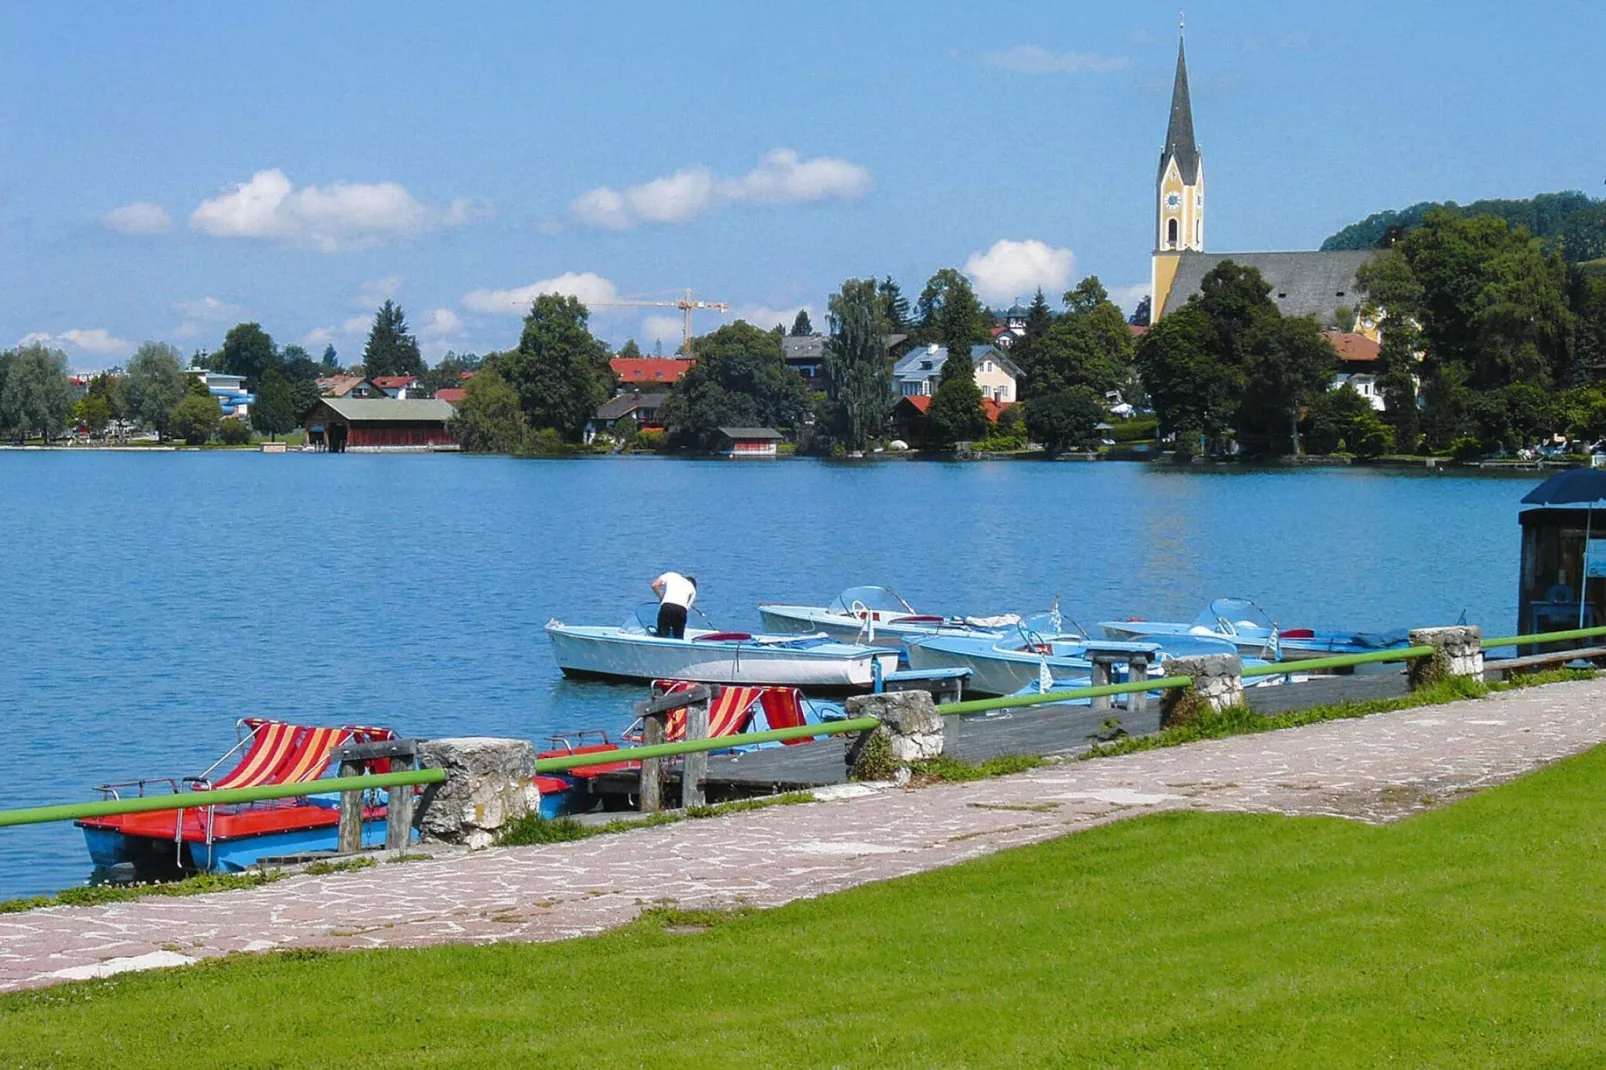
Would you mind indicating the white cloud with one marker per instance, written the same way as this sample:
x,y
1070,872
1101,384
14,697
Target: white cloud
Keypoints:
x,y
436,333
1035,59
331,218
1012,269
767,316
96,341
1127,297
782,177
376,292
357,325
317,338
588,286
209,310
665,329
141,217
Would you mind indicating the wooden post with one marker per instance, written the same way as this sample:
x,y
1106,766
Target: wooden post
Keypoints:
x,y
694,767
1100,677
652,784
399,813
350,812
1137,703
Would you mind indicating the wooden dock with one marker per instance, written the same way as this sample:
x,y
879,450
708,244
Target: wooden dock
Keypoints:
x,y
1041,730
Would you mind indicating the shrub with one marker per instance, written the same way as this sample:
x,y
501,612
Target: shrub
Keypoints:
x,y
648,441
195,419
234,432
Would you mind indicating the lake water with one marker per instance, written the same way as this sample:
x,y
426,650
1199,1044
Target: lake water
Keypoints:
x,y
152,599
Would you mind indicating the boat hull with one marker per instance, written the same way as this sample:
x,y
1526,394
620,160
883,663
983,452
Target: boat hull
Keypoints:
x,y
157,858
612,654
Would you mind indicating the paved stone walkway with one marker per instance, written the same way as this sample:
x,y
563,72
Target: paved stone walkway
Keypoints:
x,y
1377,769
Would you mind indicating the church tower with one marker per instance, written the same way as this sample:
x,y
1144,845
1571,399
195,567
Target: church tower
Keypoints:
x,y
1178,190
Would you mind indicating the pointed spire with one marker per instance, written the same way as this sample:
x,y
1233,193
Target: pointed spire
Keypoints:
x,y
1179,133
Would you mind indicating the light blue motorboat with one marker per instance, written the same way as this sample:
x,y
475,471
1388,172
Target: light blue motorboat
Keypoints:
x,y
1251,630
879,616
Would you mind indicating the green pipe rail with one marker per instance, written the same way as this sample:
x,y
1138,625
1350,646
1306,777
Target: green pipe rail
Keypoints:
x,y
1337,661
1544,637
199,800
982,705
692,746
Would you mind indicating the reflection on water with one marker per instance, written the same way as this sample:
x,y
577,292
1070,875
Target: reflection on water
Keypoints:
x,y
154,599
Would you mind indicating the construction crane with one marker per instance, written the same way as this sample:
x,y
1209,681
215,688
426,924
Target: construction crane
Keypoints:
x,y
685,304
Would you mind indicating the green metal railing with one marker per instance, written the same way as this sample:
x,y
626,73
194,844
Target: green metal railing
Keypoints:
x,y
1544,637
982,705
198,800
692,746
1338,661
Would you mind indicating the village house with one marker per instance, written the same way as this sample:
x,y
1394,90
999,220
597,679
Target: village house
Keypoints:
x,y
998,376
635,410
337,425
745,442
805,354
347,386
229,390
397,386
636,373
1357,364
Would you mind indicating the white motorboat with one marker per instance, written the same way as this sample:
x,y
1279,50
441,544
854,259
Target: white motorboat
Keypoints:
x,y
634,651
877,616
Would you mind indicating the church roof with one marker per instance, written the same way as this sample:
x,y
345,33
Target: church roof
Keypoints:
x,y
1302,284
1179,132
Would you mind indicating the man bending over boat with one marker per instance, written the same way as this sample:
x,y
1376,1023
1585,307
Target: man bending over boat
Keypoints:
x,y
675,594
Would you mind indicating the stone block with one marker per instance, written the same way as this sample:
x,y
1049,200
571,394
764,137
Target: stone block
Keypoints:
x,y
1457,651
489,782
909,720
1218,684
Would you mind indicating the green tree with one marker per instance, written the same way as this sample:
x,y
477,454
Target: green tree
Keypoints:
x,y
1090,345
1286,372
857,374
331,359
150,387
296,365
1065,419
1141,314
274,412
247,350
36,398
740,379
894,306
801,327
1039,318
1342,420
489,419
449,371
950,313
196,417
1193,391
391,347
303,396
92,412
629,350
956,413
560,371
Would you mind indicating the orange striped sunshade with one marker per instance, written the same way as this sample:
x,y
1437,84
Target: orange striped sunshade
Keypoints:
x,y
282,753
729,712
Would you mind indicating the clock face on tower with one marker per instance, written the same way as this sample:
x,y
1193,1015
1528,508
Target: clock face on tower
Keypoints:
x,y
1172,200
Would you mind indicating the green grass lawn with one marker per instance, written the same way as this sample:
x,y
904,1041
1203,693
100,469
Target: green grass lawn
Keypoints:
x,y
1471,935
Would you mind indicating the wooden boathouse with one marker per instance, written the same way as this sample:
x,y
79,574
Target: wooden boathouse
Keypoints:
x,y
336,425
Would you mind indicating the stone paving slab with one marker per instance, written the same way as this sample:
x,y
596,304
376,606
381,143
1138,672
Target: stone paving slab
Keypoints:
x,y
1380,768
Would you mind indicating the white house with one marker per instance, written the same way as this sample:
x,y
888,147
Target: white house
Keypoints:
x,y
1357,364
998,376
229,390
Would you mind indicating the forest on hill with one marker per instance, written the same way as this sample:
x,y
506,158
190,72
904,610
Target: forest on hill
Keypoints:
x,y
1570,223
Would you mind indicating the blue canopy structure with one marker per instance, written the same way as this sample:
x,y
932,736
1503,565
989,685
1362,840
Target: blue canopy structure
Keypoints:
x,y
1577,488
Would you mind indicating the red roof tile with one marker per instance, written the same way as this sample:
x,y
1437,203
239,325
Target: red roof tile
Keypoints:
x,y
649,369
393,382
1138,330
1353,347
451,394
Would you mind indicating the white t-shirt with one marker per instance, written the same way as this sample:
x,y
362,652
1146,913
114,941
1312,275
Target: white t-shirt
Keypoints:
x,y
678,590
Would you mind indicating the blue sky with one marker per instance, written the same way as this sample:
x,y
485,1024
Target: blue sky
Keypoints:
x,y
167,170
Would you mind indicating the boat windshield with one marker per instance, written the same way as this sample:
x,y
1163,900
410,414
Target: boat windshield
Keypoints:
x,y
1243,616
1051,622
879,600
644,621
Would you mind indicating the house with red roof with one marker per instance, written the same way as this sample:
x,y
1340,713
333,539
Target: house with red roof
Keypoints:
x,y
397,386
1357,364
638,373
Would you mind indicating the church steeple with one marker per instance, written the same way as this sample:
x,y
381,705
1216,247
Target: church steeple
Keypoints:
x,y
1179,185
1179,142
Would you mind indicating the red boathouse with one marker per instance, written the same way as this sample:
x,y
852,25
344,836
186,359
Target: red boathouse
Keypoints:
x,y
340,424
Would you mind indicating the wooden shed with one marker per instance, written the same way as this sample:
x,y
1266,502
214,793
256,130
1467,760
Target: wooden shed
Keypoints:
x,y
340,424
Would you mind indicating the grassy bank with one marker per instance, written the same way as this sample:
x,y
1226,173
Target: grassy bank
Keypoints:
x,y
1466,936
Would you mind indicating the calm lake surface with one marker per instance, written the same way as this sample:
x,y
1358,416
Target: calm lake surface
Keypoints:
x,y
153,599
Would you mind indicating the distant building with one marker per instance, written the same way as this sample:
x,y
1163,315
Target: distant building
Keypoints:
x,y
743,442
397,386
638,408
452,395
229,390
1357,364
916,374
907,412
348,386
379,424
1012,325
634,373
805,354
1302,283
